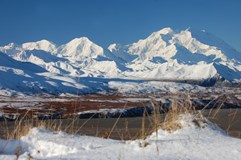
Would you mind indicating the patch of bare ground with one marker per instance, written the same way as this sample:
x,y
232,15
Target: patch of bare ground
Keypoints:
x,y
68,107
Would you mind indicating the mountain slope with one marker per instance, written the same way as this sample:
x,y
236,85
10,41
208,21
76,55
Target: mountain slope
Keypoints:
x,y
30,78
44,59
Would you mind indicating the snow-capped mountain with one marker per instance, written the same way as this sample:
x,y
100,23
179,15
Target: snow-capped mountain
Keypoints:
x,y
168,54
167,44
164,55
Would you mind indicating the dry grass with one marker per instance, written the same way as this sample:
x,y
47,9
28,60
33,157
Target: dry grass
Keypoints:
x,y
172,117
22,127
170,123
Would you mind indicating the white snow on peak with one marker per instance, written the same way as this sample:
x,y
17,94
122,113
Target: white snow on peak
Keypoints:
x,y
121,52
165,31
185,39
11,45
113,47
167,44
156,45
80,48
40,45
11,49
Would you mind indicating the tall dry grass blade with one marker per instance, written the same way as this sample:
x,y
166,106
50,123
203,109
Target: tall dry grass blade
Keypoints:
x,y
115,123
85,123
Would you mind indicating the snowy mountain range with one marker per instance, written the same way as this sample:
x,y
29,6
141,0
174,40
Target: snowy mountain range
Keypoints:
x,y
164,55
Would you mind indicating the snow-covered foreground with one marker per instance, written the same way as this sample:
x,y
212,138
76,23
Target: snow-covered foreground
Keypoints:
x,y
203,141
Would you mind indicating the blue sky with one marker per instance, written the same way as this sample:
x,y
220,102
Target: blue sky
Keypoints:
x,y
120,21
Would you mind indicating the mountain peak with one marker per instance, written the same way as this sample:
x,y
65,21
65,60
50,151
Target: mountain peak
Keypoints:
x,y
79,41
165,31
44,45
80,48
11,45
155,45
113,47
